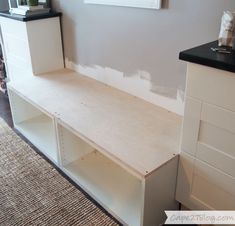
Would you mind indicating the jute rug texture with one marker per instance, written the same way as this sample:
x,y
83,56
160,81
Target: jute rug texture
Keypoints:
x,y
33,192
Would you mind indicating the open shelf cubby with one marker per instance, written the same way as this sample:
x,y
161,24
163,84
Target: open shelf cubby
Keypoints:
x,y
113,187
37,126
119,149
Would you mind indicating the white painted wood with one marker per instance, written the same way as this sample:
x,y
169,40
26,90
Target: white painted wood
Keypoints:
x,y
113,187
14,27
134,127
218,117
33,46
22,64
40,132
219,185
17,48
72,147
211,85
216,158
21,110
133,201
184,179
134,142
160,193
34,125
4,53
218,138
16,71
152,4
96,147
191,125
206,178
211,196
197,188
44,37
215,176
15,43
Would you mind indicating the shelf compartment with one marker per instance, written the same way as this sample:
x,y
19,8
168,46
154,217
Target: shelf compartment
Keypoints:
x,y
112,186
35,125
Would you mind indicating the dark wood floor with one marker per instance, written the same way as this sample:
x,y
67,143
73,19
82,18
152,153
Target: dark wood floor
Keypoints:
x,y
5,111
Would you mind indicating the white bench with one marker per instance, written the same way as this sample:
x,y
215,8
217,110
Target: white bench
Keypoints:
x,y
120,149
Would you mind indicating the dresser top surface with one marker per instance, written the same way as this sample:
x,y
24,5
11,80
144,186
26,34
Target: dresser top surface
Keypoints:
x,y
29,18
205,56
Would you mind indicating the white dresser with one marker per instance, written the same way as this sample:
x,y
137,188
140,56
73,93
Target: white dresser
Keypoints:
x,y
32,46
206,177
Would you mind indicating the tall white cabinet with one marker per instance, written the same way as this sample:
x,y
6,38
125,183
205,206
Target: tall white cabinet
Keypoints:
x,y
32,47
206,177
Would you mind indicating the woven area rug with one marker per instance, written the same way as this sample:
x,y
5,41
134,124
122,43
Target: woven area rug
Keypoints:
x,y
32,192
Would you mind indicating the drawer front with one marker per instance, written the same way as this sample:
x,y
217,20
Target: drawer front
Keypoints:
x,y
218,179
16,71
17,48
218,117
14,28
217,129
21,64
211,85
212,196
201,186
209,134
216,158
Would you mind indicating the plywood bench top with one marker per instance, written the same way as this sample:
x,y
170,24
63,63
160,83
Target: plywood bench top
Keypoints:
x,y
135,133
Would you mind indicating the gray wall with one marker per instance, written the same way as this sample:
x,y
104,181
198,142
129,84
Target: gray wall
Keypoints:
x,y
3,5
131,39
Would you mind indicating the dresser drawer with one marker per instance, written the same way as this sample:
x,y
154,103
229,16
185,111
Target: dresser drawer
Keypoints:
x,y
211,85
17,71
220,184
216,158
214,197
18,65
201,186
14,28
217,129
17,48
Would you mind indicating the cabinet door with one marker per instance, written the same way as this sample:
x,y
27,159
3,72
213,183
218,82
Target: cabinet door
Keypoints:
x,y
201,186
206,176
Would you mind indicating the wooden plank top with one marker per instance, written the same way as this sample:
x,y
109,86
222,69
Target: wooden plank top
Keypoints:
x,y
137,134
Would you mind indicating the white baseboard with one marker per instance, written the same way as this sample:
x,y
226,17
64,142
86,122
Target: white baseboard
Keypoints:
x,y
138,85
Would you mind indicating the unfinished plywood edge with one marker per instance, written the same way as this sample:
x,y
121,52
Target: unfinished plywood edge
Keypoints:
x,y
137,126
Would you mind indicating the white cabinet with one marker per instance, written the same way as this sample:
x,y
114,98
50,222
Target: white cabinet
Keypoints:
x,y
133,199
35,124
121,150
32,47
206,177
